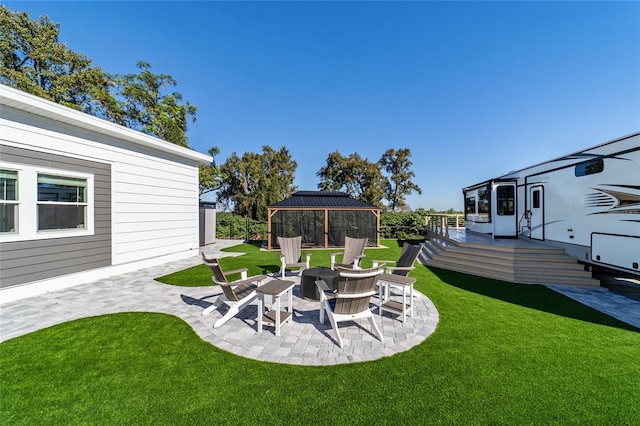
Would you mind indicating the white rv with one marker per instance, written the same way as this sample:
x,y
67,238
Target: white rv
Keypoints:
x,y
587,203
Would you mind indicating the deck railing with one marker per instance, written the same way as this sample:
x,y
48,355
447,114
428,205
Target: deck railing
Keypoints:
x,y
440,223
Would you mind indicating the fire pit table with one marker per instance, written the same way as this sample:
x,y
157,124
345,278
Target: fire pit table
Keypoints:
x,y
308,288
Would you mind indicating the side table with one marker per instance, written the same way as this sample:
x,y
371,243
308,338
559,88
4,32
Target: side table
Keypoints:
x,y
274,317
405,283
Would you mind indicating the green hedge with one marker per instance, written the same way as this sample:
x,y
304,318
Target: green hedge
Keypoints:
x,y
392,225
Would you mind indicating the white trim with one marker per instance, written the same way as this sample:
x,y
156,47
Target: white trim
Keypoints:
x,y
28,204
35,105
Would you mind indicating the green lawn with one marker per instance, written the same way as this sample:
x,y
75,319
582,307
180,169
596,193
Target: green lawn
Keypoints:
x,y
502,354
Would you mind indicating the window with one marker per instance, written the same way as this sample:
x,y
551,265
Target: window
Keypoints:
x,y
62,202
483,200
589,167
9,200
41,203
505,200
536,199
470,205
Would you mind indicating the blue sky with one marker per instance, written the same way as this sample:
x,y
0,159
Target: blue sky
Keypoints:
x,y
473,89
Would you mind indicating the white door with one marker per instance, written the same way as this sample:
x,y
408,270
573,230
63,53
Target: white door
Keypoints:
x,y
536,212
504,210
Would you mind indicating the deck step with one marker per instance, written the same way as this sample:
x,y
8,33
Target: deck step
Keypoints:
x,y
523,265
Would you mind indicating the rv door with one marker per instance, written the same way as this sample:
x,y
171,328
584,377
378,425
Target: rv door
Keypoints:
x,y
536,212
504,210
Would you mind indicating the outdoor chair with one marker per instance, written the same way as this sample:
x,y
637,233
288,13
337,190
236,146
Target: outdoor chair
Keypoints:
x,y
291,255
405,262
396,277
353,252
350,301
235,294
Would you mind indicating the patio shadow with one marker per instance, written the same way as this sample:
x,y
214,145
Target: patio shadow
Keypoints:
x,y
534,296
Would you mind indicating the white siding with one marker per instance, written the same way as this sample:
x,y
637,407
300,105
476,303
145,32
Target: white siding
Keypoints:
x,y
154,193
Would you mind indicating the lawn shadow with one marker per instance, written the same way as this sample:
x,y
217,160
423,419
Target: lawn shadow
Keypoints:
x,y
534,296
269,269
255,243
412,242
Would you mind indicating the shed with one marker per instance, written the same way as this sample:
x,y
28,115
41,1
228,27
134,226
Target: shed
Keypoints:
x,y
84,198
323,219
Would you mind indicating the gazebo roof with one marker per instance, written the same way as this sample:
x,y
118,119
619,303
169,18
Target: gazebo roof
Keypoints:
x,y
324,199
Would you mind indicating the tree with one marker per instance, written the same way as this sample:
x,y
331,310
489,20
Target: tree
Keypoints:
x,y
354,175
210,177
142,105
399,185
335,175
255,181
33,60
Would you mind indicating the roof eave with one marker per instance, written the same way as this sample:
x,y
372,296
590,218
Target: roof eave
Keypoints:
x,y
36,105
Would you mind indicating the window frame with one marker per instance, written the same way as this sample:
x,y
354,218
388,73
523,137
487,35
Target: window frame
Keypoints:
x,y
484,201
470,205
28,208
58,189
505,203
535,198
589,167
15,202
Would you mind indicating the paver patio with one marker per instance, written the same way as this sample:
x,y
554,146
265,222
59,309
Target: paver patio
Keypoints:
x,y
304,341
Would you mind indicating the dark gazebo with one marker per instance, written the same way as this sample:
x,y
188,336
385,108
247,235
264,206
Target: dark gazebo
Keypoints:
x,y
323,218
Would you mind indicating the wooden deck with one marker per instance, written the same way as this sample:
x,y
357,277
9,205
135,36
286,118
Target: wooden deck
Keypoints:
x,y
513,260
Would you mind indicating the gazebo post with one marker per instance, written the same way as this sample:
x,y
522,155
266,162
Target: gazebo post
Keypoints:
x,y
270,213
326,228
377,215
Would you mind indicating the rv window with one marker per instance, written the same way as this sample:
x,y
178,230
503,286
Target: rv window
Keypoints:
x,y
536,199
505,200
483,200
589,167
470,205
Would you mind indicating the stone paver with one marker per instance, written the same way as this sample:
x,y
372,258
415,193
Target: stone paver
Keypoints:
x,y
603,300
303,341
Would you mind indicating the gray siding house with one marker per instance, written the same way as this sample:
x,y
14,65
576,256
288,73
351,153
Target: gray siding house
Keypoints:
x,y
83,198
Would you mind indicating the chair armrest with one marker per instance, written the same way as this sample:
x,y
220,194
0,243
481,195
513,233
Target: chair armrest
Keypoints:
x,y
255,279
258,279
376,262
333,258
322,286
356,261
324,290
241,271
400,268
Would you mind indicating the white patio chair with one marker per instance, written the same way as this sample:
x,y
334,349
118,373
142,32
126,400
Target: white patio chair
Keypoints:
x,y
353,252
350,301
291,255
235,294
